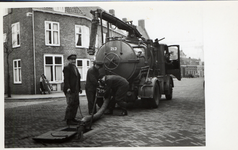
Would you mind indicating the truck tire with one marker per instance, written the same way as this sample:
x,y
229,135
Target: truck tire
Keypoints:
x,y
154,102
170,95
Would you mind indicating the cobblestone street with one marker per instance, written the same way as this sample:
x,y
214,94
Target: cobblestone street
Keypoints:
x,y
177,122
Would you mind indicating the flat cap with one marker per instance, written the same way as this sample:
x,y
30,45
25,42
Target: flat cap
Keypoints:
x,y
72,56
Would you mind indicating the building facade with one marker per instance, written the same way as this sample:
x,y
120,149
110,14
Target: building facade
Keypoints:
x,y
41,39
191,67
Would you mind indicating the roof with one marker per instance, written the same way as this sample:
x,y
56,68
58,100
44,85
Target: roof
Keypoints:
x,y
76,11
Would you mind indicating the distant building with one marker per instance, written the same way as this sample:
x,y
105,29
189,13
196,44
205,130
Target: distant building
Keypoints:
x,y
41,40
191,67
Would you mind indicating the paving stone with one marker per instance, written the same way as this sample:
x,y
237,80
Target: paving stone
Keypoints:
x,y
177,122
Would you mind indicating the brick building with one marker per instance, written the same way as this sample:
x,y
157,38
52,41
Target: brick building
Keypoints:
x,y
41,40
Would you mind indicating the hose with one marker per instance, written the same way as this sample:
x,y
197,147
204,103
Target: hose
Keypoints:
x,y
100,112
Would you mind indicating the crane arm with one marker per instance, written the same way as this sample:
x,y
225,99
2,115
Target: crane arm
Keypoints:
x,y
117,22
111,19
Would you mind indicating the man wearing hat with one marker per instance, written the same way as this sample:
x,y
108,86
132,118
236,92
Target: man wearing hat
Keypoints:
x,y
72,88
91,86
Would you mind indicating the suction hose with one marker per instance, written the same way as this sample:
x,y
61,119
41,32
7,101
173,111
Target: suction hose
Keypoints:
x,y
98,114
88,119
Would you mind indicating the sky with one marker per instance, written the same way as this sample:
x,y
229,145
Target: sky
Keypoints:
x,y
180,24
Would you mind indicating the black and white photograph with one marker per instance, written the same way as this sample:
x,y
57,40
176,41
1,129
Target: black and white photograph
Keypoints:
x,y
118,74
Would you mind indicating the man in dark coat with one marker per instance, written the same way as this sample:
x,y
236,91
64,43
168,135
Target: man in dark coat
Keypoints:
x,y
117,87
72,88
91,86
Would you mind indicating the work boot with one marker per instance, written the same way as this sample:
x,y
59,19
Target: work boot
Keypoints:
x,y
123,106
123,112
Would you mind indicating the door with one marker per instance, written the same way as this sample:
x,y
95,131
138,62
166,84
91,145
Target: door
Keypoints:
x,y
174,60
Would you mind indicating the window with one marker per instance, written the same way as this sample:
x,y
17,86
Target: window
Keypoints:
x,y
83,65
53,67
17,71
52,36
81,36
4,37
16,34
60,9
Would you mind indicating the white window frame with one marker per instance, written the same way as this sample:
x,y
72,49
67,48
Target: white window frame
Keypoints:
x,y
52,31
86,64
17,72
16,34
60,9
104,37
53,66
84,36
4,37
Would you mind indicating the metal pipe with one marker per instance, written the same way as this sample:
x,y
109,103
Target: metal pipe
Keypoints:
x,y
93,34
34,50
101,26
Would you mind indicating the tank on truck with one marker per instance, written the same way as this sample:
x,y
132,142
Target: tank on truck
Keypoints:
x,y
102,15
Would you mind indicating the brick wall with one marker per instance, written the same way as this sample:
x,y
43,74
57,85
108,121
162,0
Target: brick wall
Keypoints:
x,y
24,52
67,39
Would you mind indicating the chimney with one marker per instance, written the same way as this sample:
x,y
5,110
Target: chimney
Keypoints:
x,y
124,19
141,23
112,12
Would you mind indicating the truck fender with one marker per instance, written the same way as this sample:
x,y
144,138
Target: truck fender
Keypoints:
x,y
147,88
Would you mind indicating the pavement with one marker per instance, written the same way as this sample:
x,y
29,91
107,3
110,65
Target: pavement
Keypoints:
x,y
38,96
177,122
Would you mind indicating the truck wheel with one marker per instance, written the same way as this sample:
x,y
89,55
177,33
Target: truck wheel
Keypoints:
x,y
170,95
154,102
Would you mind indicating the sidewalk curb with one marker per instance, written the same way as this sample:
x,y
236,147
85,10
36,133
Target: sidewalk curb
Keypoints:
x,y
38,96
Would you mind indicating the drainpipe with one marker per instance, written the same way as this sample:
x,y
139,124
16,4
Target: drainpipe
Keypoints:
x,y
34,51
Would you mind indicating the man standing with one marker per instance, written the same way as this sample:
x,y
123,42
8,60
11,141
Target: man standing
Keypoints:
x,y
117,87
91,86
72,88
